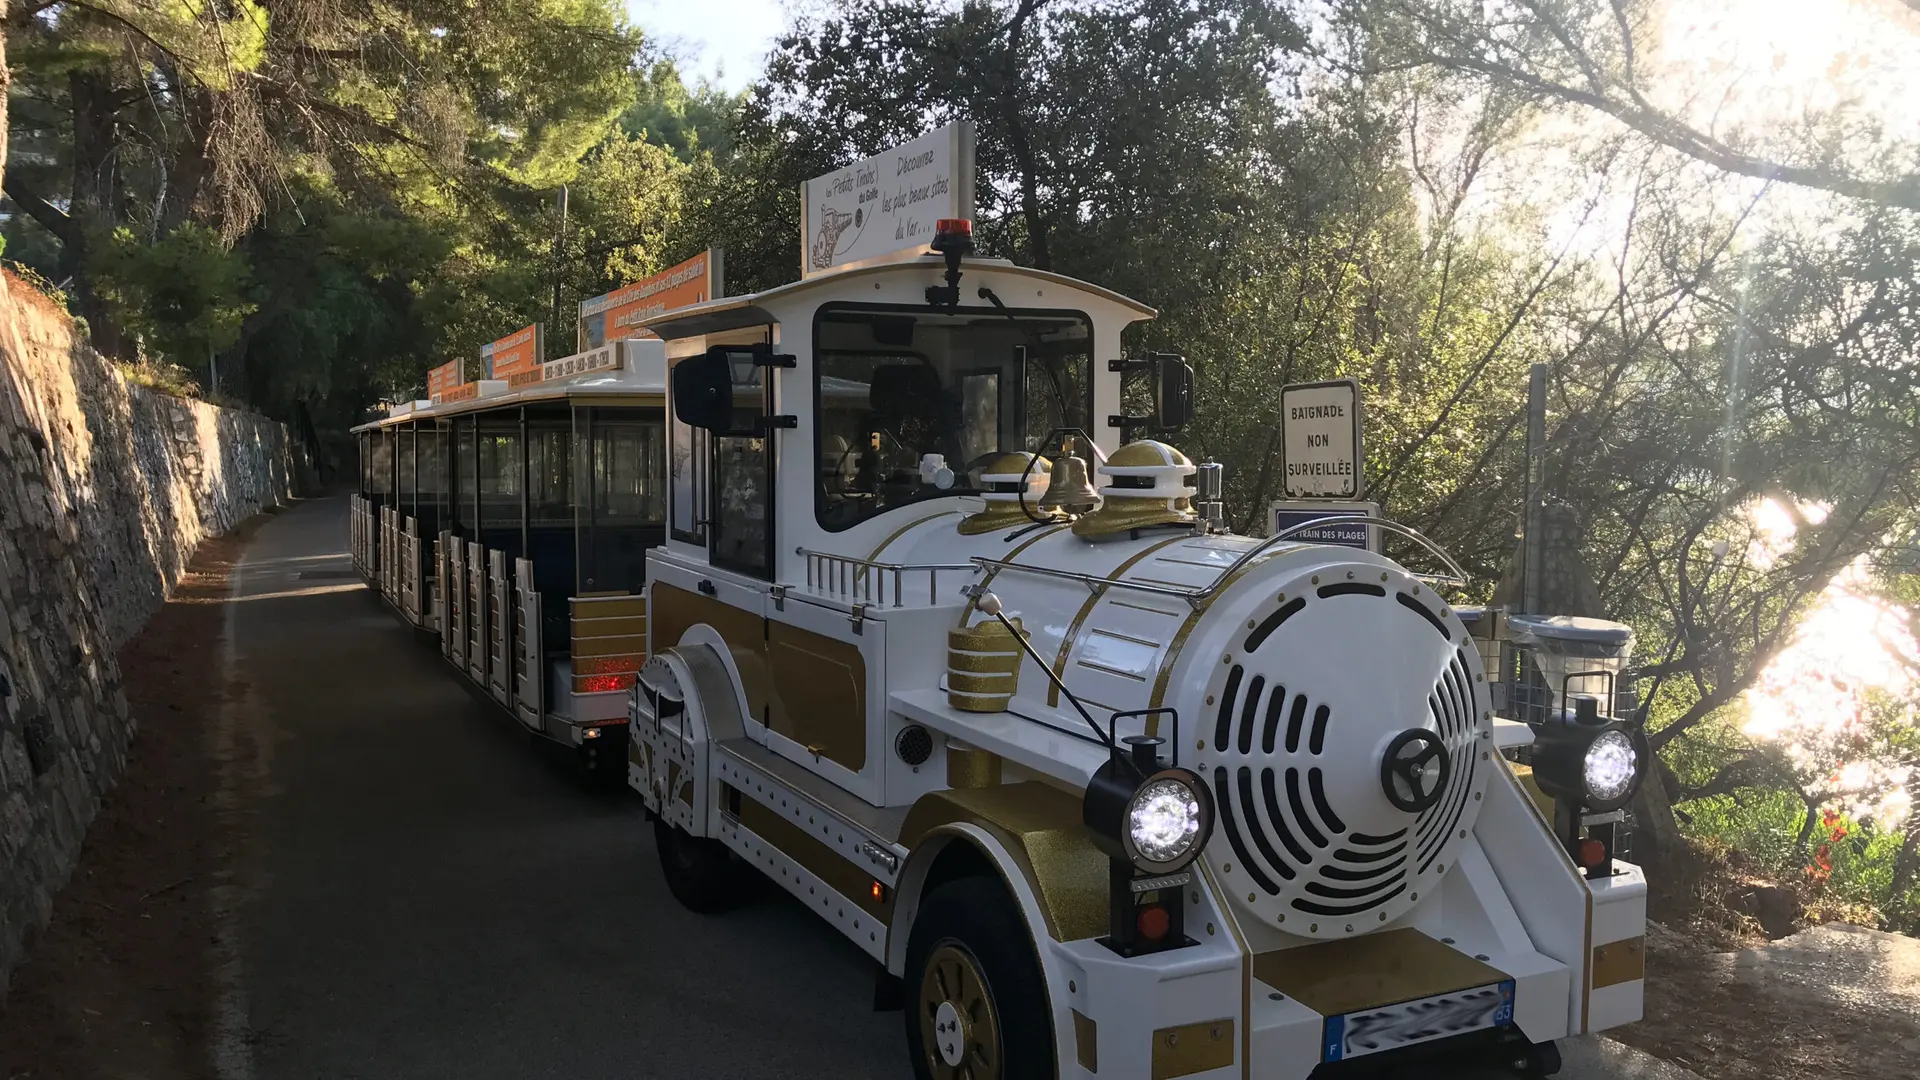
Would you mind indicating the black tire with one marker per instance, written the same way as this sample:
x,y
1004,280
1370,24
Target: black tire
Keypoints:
x,y
701,873
972,922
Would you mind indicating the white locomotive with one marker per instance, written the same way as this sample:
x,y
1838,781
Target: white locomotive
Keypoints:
x,y
1107,791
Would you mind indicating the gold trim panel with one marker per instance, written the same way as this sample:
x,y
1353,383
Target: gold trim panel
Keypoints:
x,y
1334,977
1040,826
843,877
1619,961
1191,1048
822,686
1086,1041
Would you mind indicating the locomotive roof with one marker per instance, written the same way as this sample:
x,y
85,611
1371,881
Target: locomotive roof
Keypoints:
x,y
735,312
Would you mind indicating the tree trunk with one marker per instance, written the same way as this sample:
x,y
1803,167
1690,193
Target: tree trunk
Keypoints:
x,y
6,86
1906,864
94,205
1656,833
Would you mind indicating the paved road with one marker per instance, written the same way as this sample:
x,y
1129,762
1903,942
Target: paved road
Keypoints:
x,y
426,898
423,897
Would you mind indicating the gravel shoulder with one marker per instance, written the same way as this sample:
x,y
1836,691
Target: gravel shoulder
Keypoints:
x,y
118,984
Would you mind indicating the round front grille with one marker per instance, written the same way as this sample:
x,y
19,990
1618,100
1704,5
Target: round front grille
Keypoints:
x,y
1298,719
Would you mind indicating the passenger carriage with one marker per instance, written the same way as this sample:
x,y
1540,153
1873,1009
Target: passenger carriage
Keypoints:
x,y
937,645
512,523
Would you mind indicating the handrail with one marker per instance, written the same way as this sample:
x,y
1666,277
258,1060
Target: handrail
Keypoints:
x,y
865,580
1199,597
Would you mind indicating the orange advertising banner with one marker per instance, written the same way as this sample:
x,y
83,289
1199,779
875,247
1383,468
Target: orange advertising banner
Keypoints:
x,y
518,353
616,315
462,392
444,378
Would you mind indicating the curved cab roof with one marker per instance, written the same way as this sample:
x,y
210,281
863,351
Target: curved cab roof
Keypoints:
x,y
734,312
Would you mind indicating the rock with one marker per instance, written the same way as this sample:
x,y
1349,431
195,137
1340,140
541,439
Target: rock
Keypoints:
x,y
1777,910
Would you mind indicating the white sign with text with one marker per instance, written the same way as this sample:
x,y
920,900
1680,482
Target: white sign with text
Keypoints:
x,y
886,205
1320,439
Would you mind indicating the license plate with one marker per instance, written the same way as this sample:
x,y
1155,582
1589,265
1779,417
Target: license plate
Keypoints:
x,y
1389,1027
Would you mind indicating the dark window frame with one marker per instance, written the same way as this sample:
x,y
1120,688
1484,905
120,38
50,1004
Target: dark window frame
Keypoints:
x,y
824,311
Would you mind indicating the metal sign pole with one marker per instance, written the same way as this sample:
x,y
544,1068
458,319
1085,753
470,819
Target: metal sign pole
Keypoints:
x,y
1532,565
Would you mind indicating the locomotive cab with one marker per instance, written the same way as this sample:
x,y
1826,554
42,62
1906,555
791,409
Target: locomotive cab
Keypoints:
x,y
940,648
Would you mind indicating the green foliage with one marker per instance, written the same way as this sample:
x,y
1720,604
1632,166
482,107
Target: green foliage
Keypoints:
x,y
186,294
666,112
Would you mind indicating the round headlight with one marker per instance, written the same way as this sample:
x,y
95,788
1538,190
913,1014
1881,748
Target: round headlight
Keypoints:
x,y
1610,768
1165,822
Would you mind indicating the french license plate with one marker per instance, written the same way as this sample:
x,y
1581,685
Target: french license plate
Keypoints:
x,y
1389,1027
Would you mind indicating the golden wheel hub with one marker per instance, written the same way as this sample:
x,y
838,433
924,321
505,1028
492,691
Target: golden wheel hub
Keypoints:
x,y
959,1031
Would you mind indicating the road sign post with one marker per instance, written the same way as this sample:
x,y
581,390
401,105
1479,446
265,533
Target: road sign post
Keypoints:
x,y
1320,451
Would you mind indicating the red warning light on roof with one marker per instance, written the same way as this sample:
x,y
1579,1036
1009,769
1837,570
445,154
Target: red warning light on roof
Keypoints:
x,y
954,226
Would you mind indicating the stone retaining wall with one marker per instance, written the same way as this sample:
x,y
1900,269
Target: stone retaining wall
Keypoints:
x,y
106,489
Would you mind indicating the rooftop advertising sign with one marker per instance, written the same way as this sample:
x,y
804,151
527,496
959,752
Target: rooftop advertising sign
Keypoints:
x,y
444,378
617,315
516,358
887,205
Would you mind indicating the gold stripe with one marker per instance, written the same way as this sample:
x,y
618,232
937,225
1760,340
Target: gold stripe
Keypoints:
x,y
607,609
1586,952
1618,961
902,530
1186,628
967,612
1230,922
1071,638
623,624
843,877
610,646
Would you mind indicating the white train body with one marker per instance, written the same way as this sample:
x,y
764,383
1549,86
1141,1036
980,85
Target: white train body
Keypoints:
x,y
798,713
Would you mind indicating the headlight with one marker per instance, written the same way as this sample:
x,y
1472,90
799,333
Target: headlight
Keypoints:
x,y
1164,821
1594,766
1611,767
1158,823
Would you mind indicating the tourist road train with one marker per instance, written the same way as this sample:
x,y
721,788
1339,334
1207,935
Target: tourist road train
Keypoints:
x,y
870,587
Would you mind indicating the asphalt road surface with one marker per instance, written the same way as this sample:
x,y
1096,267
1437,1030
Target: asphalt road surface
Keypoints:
x,y
420,895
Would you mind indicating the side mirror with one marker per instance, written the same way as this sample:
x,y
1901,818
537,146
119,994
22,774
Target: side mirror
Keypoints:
x,y
703,391
1172,390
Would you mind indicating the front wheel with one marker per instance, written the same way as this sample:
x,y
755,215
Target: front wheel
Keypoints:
x,y
980,1008
701,873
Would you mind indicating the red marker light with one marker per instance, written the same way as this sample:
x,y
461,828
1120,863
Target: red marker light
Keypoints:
x,y
1592,853
1154,922
954,226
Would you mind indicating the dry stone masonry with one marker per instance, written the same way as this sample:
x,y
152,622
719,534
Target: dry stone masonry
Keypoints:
x,y
106,488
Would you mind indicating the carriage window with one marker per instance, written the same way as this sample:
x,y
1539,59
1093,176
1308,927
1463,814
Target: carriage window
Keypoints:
x,y
381,481
895,385
550,476
628,459
464,479
404,497
499,478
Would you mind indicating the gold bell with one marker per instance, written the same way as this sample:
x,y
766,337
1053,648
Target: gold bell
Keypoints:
x,y
1068,488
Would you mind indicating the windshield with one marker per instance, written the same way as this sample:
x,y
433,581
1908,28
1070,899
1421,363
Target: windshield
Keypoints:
x,y
893,385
